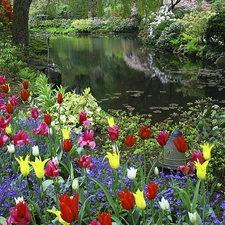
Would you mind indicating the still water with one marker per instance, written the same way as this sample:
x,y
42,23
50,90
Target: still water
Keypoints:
x,y
123,76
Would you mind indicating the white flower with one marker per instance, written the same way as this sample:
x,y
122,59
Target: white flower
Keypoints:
x,y
156,171
11,148
131,173
193,217
75,184
19,199
35,150
164,204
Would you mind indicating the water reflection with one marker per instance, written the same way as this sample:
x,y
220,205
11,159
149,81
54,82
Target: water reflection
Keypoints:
x,y
121,75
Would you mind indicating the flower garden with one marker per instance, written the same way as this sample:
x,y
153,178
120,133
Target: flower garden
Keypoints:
x,y
71,163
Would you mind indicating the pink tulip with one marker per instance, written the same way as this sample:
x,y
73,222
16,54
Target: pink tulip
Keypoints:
x,y
4,122
85,162
52,168
13,100
197,155
188,169
21,138
87,139
2,80
42,129
113,132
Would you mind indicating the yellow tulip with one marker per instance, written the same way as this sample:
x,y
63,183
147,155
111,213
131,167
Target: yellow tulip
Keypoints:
x,y
38,166
8,129
66,133
201,169
114,160
58,214
206,150
24,166
111,121
139,199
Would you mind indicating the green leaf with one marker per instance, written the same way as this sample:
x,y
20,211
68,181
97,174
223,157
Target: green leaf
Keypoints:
x,y
108,196
83,209
2,220
46,184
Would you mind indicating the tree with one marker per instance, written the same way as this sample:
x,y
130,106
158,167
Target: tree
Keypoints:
x,y
20,32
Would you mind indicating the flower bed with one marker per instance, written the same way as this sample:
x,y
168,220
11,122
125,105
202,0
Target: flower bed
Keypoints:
x,y
60,175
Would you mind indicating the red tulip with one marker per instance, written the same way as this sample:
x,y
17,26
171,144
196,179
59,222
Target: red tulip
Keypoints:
x,y
181,144
21,209
152,190
59,98
104,218
127,199
82,117
67,145
113,132
5,88
188,169
129,140
24,94
69,207
85,162
25,84
9,108
19,214
162,137
145,132
47,119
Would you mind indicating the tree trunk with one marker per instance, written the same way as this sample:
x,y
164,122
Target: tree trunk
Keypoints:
x,y
20,33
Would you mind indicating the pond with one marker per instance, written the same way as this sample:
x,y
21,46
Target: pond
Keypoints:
x,y
124,76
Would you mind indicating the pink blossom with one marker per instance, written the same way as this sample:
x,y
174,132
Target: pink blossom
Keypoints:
x,y
113,132
2,80
87,139
83,119
2,95
19,214
188,169
162,137
21,138
3,139
2,106
4,122
95,222
42,129
197,155
34,113
52,168
13,100
85,162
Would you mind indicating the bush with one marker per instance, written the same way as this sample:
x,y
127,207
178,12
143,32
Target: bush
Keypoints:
x,y
215,31
180,13
82,26
119,25
168,34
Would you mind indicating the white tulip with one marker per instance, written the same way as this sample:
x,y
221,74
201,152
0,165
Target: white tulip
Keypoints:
x,y
11,148
164,204
131,173
75,184
18,200
35,150
193,217
156,171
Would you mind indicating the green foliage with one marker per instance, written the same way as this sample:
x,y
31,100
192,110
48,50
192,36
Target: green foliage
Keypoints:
x,y
180,13
169,33
218,5
28,74
215,31
10,58
82,26
119,25
73,104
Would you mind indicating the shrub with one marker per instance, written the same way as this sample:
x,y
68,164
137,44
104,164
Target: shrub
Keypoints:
x,y
218,5
215,31
168,34
82,26
180,13
6,11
